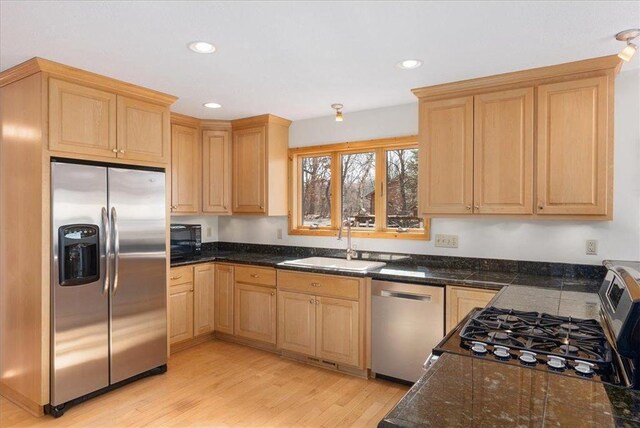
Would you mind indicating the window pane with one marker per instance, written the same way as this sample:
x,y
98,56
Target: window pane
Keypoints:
x,y
402,189
316,191
358,186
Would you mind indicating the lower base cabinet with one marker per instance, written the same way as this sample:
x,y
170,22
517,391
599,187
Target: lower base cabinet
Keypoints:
x,y
255,312
203,292
462,300
180,312
326,328
223,299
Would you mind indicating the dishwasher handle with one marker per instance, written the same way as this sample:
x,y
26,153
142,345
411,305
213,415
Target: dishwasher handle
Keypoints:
x,y
409,296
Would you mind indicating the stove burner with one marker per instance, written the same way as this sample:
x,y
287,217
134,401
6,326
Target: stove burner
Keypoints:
x,y
536,331
569,349
498,335
569,327
507,318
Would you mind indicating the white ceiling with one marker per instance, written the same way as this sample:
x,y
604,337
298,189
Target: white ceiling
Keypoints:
x,y
294,59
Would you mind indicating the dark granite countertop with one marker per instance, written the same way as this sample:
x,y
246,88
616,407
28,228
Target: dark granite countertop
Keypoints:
x,y
463,391
402,268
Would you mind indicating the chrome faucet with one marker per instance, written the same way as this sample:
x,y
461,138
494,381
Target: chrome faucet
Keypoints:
x,y
350,251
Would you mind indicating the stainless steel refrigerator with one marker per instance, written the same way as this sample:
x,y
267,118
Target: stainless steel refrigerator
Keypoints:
x,y
108,282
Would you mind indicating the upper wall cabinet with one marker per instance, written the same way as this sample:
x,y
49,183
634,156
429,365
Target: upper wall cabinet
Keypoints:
x,y
81,119
143,131
216,171
574,154
260,162
93,117
185,171
477,143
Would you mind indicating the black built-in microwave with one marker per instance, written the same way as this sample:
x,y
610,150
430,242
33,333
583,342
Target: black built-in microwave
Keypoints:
x,y
186,241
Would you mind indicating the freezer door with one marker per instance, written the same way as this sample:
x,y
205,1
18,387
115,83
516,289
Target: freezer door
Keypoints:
x,y
79,300
138,283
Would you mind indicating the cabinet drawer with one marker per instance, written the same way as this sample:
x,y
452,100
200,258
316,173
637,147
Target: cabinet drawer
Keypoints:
x,y
180,275
319,285
255,275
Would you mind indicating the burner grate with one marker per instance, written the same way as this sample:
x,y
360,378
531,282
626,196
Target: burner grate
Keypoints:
x,y
568,337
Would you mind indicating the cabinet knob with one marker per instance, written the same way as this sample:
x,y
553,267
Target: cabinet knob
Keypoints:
x,y
540,207
122,151
261,207
317,302
114,150
315,284
468,207
173,278
311,301
476,207
273,293
253,275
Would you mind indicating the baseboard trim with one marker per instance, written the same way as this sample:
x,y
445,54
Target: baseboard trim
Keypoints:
x,y
186,344
247,342
20,400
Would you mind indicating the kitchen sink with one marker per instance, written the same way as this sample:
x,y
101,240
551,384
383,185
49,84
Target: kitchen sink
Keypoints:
x,y
331,263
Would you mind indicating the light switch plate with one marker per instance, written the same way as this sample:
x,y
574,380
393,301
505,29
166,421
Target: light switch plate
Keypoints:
x,y
592,247
448,241
279,234
208,231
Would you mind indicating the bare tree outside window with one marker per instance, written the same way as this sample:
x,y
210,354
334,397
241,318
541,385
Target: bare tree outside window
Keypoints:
x,y
316,191
358,183
402,189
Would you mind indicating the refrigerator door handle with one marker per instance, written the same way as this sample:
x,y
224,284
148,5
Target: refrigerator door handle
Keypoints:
x,y
107,249
116,249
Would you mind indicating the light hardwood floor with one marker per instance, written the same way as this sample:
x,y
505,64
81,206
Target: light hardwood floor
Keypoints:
x,y
224,384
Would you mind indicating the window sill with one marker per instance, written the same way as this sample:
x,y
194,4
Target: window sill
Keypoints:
x,y
412,235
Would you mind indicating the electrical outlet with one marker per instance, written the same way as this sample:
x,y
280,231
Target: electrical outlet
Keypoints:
x,y
208,231
449,241
279,234
592,247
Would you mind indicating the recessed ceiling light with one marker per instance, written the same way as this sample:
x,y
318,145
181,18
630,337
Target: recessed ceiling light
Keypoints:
x,y
212,105
409,64
202,47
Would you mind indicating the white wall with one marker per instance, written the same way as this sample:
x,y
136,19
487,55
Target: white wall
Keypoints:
x,y
559,241
209,225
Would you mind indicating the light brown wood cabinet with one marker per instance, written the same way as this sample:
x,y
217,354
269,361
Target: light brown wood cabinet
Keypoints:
x,y
223,299
461,300
313,322
143,131
81,119
574,154
503,152
476,154
216,171
180,312
260,161
185,169
477,143
445,156
204,290
255,312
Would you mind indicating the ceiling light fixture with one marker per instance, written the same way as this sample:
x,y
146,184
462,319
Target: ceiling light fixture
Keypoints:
x,y
202,47
338,109
212,105
630,49
409,64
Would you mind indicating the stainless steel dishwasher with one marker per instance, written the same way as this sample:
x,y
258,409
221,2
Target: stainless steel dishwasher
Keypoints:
x,y
407,322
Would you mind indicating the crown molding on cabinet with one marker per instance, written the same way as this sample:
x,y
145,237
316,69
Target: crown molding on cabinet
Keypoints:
x,y
65,72
260,120
530,77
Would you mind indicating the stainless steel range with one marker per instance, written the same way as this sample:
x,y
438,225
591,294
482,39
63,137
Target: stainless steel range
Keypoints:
x,y
606,350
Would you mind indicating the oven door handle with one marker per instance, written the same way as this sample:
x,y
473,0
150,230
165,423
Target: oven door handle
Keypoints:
x,y
106,230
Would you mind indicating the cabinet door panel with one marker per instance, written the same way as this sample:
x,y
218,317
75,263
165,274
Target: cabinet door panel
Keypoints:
x,y
503,152
223,299
143,131
255,312
81,120
185,167
446,156
180,316
249,180
573,147
337,337
204,289
297,322
216,172
460,301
